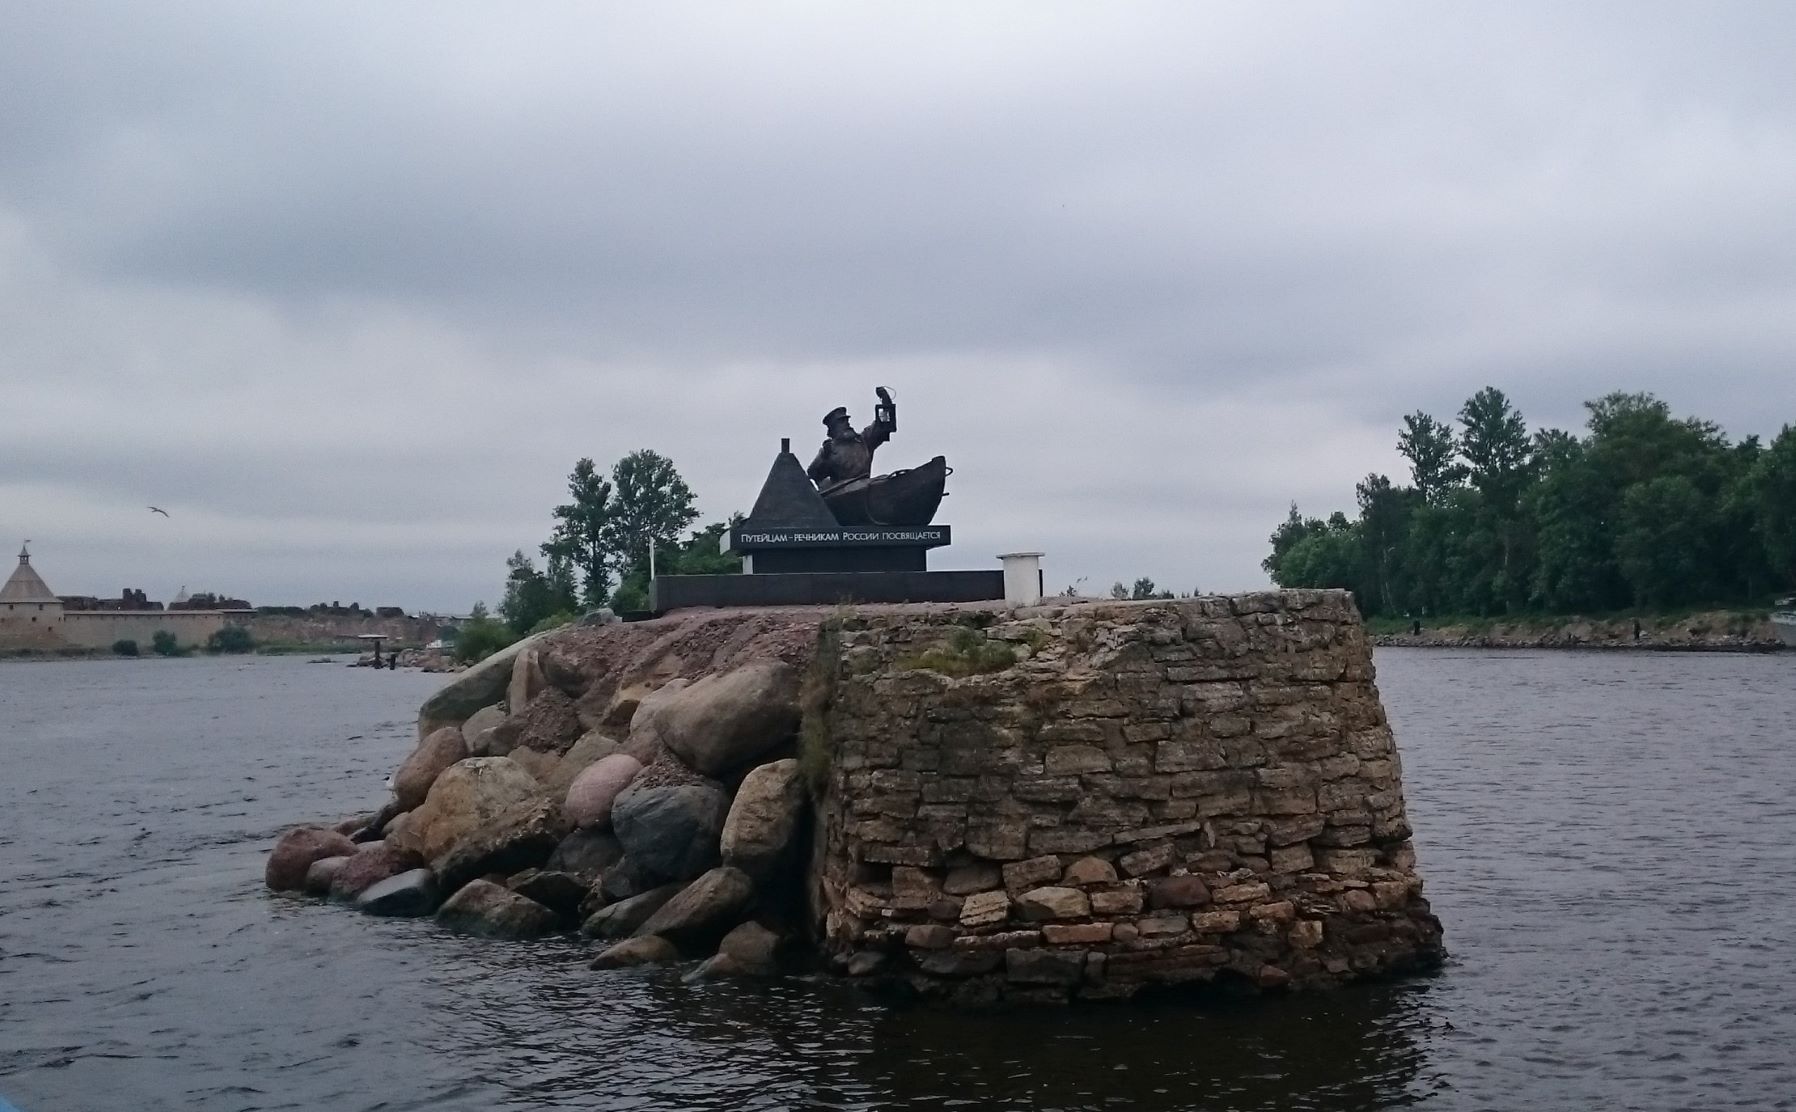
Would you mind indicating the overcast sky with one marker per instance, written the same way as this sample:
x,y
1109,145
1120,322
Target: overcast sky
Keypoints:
x,y
347,288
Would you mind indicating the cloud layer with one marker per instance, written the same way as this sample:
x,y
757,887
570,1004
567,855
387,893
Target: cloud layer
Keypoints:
x,y
348,288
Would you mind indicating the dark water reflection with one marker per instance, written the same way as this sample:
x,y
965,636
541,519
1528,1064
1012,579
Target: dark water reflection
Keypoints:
x,y
1610,841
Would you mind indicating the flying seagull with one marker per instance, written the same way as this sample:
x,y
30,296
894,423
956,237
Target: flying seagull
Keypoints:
x,y
158,510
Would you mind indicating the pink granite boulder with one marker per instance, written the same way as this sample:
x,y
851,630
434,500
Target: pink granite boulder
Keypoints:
x,y
297,849
590,796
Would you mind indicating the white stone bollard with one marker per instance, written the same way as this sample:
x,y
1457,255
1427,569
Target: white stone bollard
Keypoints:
x,y
1022,577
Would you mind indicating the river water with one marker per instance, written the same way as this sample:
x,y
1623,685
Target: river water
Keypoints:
x,y
1609,839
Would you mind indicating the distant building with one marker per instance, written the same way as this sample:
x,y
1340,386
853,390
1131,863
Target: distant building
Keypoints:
x,y
34,617
30,613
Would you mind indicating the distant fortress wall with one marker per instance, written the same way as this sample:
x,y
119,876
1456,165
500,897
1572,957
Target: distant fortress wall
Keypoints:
x,y
100,629
275,629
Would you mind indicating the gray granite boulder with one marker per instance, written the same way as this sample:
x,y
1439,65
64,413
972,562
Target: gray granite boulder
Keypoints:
x,y
477,686
622,918
760,833
477,732
410,894
705,909
586,854
752,947
491,910
637,951
726,720
670,831
294,853
527,679
557,891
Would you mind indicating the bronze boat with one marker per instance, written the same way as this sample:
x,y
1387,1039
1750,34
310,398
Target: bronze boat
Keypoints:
x,y
901,498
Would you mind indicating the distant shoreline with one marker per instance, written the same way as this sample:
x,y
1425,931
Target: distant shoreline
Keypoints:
x,y
1724,631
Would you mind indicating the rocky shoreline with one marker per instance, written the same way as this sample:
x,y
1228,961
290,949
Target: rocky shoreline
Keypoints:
x,y
1718,631
1071,802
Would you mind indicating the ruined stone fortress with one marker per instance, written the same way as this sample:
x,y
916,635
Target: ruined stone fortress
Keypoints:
x,y
34,617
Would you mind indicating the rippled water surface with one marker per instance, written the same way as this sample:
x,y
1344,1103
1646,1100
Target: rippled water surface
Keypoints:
x,y
1610,841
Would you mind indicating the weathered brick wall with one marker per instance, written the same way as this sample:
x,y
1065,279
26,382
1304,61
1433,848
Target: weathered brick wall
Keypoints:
x,y
1087,800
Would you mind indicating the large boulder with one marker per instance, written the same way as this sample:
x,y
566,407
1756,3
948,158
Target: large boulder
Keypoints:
x,y
670,830
477,732
520,837
467,796
322,873
371,866
625,879
761,832
541,766
637,951
591,748
294,853
637,706
705,909
726,720
753,947
491,910
590,796
480,685
560,892
586,854
410,894
434,755
527,679
623,917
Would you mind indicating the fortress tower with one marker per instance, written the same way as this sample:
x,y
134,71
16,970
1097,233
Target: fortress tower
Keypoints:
x,y
30,614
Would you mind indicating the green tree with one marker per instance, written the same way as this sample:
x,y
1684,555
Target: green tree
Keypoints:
x,y
1662,541
230,639
652,504
531,596
1771,492
1499,464
125,647
1496,448
700,554
580,537
481,636
1384,513
163,643
1333,557
1292,530
1430,448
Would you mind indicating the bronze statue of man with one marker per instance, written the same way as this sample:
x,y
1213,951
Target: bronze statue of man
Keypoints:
x,y
847,454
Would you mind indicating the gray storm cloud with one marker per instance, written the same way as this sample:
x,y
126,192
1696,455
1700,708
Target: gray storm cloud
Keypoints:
x,y
350,287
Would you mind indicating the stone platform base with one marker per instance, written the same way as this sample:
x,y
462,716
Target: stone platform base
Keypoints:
x,y
1088,801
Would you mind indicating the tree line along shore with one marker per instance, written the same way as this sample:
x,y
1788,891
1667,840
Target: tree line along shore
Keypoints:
x,y
1645,528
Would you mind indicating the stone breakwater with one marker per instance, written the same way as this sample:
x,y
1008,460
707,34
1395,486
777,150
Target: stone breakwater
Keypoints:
x,y
1065,802
1153,793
